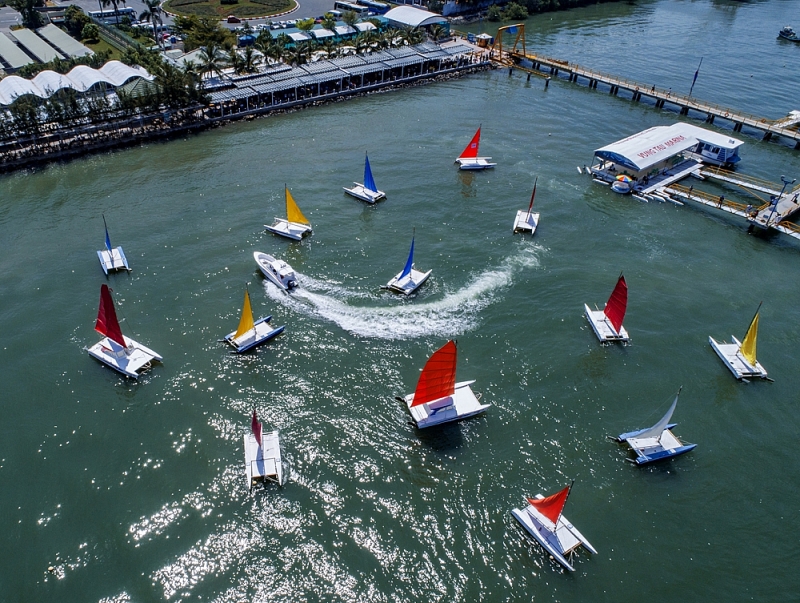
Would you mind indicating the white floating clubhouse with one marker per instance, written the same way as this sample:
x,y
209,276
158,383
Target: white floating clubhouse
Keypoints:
x,y
662,155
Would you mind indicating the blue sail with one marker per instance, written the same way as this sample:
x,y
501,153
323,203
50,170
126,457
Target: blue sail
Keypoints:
x,y
409,263
369,181
108,240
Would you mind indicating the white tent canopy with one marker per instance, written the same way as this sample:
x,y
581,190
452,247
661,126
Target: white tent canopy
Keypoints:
x,y
413,17
647,148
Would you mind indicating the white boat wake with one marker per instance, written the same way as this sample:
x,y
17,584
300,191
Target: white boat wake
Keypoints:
x,y
457,312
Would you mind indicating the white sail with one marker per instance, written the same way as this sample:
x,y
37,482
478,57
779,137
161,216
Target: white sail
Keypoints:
x,y
656,430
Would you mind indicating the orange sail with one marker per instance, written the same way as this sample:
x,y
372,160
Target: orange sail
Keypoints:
x,y
438,378
617,304
107,323
471,152
551,506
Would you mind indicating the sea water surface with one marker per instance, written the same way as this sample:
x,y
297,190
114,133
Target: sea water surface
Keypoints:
x,y
135,491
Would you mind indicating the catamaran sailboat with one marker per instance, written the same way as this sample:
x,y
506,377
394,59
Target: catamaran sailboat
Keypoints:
x,y
251,334
527,221
295,226
438,398
368,191
121,353
469,160
657,442
740,357
543,519
277,271
262,455
112,258
607,323
409,279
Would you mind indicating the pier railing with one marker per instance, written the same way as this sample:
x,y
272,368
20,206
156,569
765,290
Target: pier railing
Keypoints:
x,y
707,198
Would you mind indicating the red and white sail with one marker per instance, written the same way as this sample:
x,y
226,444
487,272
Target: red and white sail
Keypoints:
x,y
438,378
256,427
551,506
617,304
471,152
107,323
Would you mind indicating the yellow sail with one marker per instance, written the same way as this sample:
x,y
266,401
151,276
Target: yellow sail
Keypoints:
x,y
293,213
748,348
246,321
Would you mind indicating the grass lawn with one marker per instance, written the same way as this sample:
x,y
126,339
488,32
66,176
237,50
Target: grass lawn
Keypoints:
x,y
102,45
241,8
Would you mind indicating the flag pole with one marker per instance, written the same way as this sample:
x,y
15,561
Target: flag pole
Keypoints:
x,y
696,73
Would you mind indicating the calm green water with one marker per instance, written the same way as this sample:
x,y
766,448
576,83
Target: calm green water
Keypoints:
x,y
136,492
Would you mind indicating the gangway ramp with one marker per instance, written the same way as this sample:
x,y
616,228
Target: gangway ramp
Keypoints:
x,y
755,184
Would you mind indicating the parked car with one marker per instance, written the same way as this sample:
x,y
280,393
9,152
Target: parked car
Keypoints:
x,y
234,19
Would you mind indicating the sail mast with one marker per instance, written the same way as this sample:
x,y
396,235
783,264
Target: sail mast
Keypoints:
x,y
108,240
748,347
410,261
530,207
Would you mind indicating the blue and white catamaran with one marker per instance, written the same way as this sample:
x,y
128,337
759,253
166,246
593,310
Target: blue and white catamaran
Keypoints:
x,y
368,191
112,258
251,334
409,279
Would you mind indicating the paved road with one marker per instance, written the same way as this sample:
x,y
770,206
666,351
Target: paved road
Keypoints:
x,y
8,17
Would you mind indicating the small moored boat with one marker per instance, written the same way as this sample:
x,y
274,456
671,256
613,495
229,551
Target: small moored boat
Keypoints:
x,y
277,271
409,279
368,191
112,258
295,226
262,455
438,398
657,442
622,184
607,323
251,334
740,357
787,33
469,160
543,519
527,221
121,353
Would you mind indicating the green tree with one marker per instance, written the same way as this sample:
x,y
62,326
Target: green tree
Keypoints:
x,y
90,32
436,31
305,24
152,14
494,13
515,12
349,17
75,19
31,18
212,59
250,60
328,21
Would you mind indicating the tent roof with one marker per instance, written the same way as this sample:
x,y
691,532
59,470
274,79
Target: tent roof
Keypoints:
x,y
647,148
413,17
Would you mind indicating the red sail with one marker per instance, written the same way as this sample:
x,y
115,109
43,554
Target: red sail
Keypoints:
x,y
551,506
617,304
256,427
471,152
107,323
438,378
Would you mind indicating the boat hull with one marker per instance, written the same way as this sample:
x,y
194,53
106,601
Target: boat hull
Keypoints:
x,y
360,192
277,271
131,361
260,334
525,222
111,262
408,284
475,163
558,542
603,328
650,450
290,230
461,405
729,354
263,463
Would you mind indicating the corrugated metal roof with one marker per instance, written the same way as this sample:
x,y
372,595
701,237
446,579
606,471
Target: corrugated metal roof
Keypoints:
x,y
377,57
348,61
12,54
362,69
279,86
319,67
458,49
404,61
38,47
67,44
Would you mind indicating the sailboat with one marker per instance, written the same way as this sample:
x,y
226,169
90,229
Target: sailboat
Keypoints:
x,y
740,357
607,323
112,258
527,221
121,353
251,334
544,520
657,442
409,279
262,454
295,226
469,160
438,398
368,191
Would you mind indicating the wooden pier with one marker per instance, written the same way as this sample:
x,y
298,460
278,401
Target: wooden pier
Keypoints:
x,y
516,57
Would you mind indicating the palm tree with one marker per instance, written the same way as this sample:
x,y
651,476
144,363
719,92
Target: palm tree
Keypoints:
x,y
211,59
361,42
152,14
250,60
235,61
436,31
329,46
328,21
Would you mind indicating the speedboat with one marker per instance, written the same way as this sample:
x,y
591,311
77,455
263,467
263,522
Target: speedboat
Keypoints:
x,y
787,33
277,271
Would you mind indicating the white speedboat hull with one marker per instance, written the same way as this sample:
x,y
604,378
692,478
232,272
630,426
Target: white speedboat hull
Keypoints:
x,y
360,192
525,222
603,328
131,361
461,405
115,260
277,271
408,284
290,230
476,163
261,333
733,359
559,542
263,463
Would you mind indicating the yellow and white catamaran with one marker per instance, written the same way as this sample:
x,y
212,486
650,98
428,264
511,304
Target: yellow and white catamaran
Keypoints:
x,y
740,356
295,226
250,334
